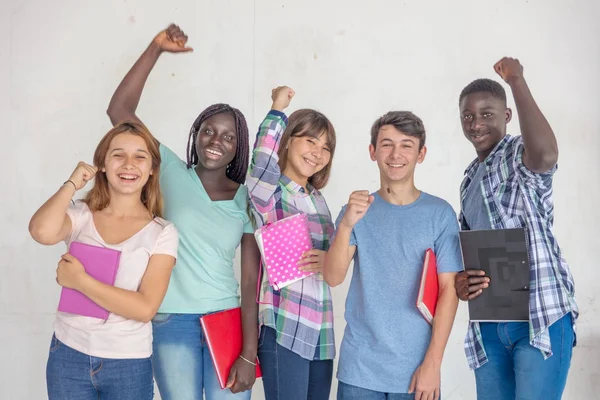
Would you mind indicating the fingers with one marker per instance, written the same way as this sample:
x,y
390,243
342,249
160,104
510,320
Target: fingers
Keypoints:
x,y
413,383
176,35
474,272
313,253
436,394
231,379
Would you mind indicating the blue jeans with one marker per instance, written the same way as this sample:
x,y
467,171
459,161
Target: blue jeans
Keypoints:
x,y
72,375
349,392
183,368
516,370
288,376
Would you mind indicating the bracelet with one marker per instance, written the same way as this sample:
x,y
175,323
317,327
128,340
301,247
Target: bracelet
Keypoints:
x,y
248,361
71,182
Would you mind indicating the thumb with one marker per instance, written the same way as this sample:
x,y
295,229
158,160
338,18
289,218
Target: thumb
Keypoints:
x,y
371,199
187,49
67,257
231,379
413,383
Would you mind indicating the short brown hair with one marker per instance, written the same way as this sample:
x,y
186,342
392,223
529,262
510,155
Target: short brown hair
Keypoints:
x,y
98,198
404,121
307,122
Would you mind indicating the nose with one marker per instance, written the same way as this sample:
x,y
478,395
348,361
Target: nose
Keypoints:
x,y
476,124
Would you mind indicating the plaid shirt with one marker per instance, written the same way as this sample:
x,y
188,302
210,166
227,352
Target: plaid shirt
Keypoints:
x,y
516,197
302,313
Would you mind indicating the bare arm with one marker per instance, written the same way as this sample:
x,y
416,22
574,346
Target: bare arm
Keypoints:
x,y
541,148
445,312
243,374
126,98
50,224
138,305
340,253
426,379
338,257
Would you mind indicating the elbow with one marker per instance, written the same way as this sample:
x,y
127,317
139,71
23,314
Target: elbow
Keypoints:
x,y
331,280
147,314
41,235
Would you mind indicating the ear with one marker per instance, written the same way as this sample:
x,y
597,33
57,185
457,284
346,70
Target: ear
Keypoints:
x,y
103,169
508,115
372,152
422,153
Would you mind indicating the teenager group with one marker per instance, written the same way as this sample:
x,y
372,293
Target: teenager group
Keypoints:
x,y
179,223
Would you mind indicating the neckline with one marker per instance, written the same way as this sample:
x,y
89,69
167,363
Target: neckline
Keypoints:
x,y
97,233
204,193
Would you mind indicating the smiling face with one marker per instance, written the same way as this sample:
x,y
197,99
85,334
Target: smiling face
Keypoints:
x,y
396,154
127,164
484,118
216,142
307,156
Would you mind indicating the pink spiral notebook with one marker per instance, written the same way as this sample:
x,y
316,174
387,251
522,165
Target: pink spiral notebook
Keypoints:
x,y
281,245
101,264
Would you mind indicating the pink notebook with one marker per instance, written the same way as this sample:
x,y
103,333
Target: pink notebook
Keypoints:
x,y
282,244
101,264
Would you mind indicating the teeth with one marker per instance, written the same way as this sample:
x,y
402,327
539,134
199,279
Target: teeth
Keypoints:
x,y
213,152
397,165
128,177
310,162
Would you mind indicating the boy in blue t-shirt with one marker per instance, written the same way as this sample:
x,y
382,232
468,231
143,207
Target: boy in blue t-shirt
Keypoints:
x,y
389,349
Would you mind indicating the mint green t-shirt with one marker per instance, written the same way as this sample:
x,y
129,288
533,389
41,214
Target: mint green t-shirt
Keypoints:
x,y
209,233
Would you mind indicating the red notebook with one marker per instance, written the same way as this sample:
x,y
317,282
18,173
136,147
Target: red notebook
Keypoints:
x,y
100,263
223,333
428,292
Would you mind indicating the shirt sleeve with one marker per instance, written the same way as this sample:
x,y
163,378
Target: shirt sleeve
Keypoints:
x,y
541,181
447,245
76,212
264,172
168,240
167,157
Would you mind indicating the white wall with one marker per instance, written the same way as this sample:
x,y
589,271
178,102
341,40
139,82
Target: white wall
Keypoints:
x,y
61,61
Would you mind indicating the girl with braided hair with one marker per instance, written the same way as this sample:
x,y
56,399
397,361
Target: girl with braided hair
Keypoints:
x,y
206,200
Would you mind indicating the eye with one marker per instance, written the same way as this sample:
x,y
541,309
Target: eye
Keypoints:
x,y
327,149
118,155
467,117
311,141
407,146
229,137
208,131
487,115
140,157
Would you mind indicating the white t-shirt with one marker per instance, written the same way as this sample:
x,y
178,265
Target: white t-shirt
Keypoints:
x,y
117,337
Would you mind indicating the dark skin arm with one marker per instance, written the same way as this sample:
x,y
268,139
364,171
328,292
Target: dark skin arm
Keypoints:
x,y
243,374
541,148
126,98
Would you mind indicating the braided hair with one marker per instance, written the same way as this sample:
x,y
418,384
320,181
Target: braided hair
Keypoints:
x,y
236,170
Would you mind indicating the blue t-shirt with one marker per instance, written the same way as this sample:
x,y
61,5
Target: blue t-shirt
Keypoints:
x,y
386,337
475,210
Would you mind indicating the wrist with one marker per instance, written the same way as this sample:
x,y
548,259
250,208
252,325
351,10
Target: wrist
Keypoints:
x,y
70,185
249,353
515,80
432,359
82,281
277,107
154,49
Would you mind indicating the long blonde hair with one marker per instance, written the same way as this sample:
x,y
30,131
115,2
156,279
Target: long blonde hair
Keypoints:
x,y
98,198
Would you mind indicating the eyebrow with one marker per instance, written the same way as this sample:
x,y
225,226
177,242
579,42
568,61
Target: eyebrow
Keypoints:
x,y
406,140
122,149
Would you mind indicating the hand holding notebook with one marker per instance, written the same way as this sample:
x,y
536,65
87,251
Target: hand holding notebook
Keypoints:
x,y
100,263
282,245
